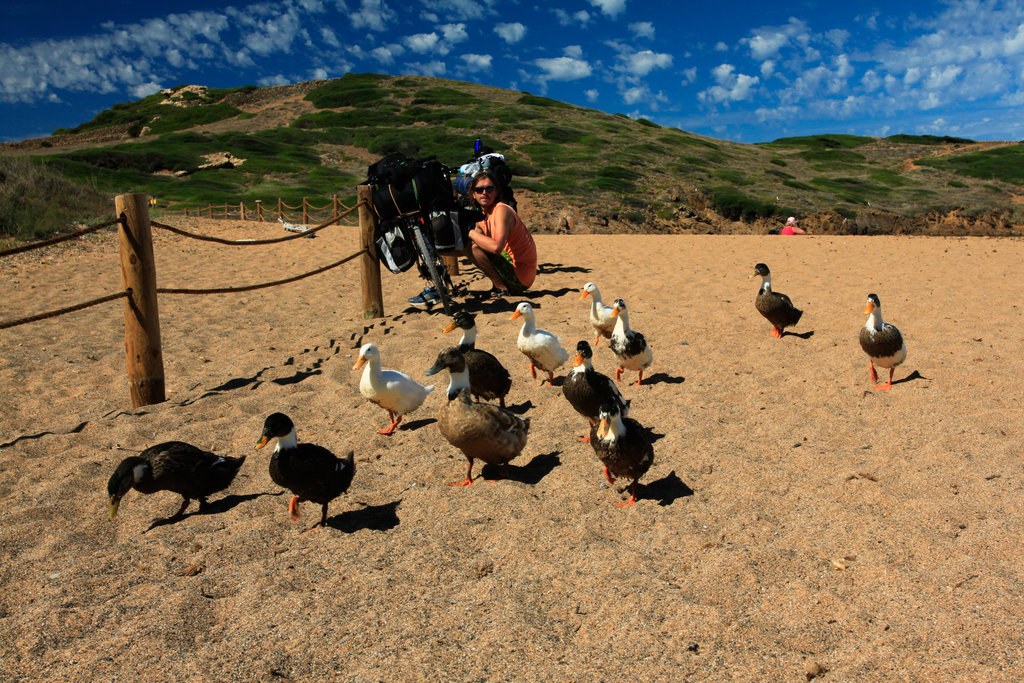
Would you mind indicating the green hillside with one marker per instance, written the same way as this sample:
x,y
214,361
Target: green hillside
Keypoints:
x,y
316,139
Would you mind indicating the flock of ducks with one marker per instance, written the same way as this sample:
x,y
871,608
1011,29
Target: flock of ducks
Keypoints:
x,y
482,431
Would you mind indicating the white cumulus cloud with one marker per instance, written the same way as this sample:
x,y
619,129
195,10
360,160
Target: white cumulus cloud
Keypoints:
x,y
563,68
510,33
476,62
610,7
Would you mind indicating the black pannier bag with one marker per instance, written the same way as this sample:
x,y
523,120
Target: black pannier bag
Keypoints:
x,y
403,186
394,246
450,229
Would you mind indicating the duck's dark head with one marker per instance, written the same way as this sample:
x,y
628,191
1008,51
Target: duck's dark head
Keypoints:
x,y
451,359
761,269
618,307
583,353
872,304
128,472
608,414
276,426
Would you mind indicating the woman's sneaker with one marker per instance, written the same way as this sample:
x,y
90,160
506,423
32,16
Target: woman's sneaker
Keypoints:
x,y
427,298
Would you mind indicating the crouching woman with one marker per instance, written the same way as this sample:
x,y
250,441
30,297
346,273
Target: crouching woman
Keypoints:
x,y
501,245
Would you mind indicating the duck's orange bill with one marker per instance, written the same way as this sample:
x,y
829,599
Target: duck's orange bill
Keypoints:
x,y
359,363
579,360
515,315
262,442
870,307
451,326
583,295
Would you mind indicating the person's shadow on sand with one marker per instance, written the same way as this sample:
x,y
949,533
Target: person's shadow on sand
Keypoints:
x,y
373,517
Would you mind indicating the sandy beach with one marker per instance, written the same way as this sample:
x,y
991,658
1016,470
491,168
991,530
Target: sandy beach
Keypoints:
x,y
796,522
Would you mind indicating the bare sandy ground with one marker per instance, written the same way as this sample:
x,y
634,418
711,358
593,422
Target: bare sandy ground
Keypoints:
x,y
796,522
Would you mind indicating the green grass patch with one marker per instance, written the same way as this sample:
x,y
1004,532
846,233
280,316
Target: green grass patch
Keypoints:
x,y
649,124
735,205
821,142
778,162
928,140
1002,163
841,156
37,202
617,185
732,176
533,100
957,184
620,172
351,90
443,97
797,185
851,190
779,174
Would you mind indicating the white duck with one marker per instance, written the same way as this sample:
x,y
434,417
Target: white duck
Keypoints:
x,y
602,317
540,346
395,392
629,346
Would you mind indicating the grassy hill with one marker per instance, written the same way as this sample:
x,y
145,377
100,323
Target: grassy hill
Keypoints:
x,y
610,172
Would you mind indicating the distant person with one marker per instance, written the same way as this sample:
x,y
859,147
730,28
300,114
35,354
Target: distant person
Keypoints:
x,y
791,228
500,245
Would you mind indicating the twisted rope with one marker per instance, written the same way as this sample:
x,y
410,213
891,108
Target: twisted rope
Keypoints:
x,y
62,311
249,288
55,240
272,240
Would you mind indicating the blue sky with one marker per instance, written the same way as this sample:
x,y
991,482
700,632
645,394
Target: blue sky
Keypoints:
x,y
743,71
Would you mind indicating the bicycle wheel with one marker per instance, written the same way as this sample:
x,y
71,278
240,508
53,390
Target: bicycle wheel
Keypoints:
x,y
435,267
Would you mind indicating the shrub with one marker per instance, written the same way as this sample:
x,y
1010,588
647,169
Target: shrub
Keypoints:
x,y
351,90
734,205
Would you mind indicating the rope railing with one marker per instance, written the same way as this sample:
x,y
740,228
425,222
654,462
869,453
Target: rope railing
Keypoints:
x,y
269,240
262,285
57,240
61,311
138,276
257,211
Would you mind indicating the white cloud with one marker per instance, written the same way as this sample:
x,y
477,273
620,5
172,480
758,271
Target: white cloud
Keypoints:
x,y
574,51
642,29
612,8
581,17
591,95
454,33
476,62
732,86
721,47
146,89
942,77
766,42
639,64
434,68
768,68
423,42
386,54
510,33
329,37
373,15
463,9
689,75
563,68
634,95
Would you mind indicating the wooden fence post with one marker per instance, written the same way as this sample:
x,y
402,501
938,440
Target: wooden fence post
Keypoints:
x,y
452,263
369,265
259,210
141,316
336,209
280,208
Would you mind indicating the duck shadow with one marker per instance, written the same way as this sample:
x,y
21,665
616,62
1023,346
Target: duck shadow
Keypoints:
x,y
416,424
538,293
910,378
519,408
662,378
802,335
652,436
371,517
217,507
531,473
665,490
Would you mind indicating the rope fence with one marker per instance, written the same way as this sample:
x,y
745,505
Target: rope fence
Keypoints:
x,y
138,275
258,212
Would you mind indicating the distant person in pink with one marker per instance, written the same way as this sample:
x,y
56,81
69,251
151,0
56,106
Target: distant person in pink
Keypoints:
x,y
791,228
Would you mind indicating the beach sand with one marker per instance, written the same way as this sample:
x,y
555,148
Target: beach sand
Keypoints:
x,y
796,522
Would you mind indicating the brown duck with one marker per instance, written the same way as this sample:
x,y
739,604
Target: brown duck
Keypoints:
x,y
482,431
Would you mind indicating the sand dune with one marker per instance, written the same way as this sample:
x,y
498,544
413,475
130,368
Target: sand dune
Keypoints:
x,y
793,517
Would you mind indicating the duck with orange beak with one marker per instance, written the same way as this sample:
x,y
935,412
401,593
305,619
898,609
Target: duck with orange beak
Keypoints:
x,y
394,391
629,346
881,341
540,346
